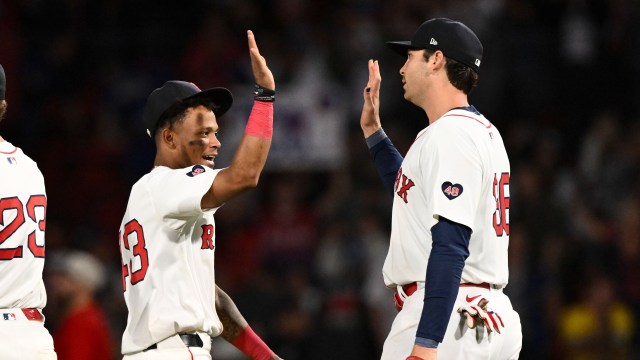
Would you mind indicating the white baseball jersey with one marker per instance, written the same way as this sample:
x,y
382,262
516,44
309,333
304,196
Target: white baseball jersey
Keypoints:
x,y
23,204
457,168
167,244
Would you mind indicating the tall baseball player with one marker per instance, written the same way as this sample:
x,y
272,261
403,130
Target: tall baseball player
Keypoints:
x,y
23,205
447,259
167,235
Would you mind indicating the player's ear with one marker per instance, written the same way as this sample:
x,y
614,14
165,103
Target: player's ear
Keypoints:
x,y
438,60
167,137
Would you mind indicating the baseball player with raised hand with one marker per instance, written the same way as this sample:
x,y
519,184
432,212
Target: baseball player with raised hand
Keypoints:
x,y
447,259
23,205
167,235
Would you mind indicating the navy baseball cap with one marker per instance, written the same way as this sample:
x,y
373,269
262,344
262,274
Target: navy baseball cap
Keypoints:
x,y
3,83
173,91
453,38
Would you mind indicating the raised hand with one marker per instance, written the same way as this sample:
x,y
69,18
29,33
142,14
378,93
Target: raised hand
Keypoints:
x,y
261,72
370,118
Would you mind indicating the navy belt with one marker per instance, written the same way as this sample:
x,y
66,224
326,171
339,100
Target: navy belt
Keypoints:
x,y
188,339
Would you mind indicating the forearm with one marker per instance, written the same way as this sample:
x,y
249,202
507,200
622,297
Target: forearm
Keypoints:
x,y
446,261
237,331
251,155
248,161
232,320
386,158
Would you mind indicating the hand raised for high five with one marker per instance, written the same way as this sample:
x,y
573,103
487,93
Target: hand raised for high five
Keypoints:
x,y
370,118
261,72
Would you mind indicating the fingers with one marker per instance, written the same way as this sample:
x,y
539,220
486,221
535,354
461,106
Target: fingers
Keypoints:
x,y
261,72
493,319
253,47
252,41
471,321
474,313
373,83
377,79
483,303
374,76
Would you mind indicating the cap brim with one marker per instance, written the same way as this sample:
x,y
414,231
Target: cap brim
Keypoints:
x,y
401,47
220,96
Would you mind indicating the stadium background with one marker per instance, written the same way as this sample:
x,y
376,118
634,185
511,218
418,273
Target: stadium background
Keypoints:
x,y
302,253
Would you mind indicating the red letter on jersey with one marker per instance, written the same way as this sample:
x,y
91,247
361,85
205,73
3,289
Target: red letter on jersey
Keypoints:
x,y
207,236
406,185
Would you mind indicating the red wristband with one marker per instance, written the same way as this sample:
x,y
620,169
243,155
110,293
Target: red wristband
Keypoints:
x,y
260,122
250,343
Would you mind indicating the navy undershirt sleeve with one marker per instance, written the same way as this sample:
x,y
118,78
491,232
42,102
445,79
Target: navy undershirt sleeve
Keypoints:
x,y
449,251
386,158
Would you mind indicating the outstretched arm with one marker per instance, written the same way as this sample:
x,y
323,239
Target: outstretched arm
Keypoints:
x,y
251,155
237,331
386,157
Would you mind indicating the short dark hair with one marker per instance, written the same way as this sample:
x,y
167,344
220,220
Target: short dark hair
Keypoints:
x,y
460,75
177,112
3,108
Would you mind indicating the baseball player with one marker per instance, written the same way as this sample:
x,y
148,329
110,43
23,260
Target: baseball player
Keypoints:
x,y
23,205
447,258
167,235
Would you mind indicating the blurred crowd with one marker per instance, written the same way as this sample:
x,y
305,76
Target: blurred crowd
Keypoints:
x,y
302,254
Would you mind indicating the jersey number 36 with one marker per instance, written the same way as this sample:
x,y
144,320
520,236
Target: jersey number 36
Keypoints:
x,y
500,193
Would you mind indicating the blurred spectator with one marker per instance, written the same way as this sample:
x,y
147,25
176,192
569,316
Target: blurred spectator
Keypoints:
x,y
599,326
81,330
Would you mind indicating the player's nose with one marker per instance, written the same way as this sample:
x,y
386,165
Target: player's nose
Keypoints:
x,y
215,143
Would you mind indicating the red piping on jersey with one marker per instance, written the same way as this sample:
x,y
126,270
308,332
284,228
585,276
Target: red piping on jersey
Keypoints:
x,y
471,117
11,152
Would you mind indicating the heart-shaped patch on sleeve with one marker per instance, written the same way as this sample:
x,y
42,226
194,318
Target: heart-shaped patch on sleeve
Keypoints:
x,y
451,191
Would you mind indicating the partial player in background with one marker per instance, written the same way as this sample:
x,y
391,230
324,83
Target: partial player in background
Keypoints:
x,y
450,206
168,233
82,331
23,205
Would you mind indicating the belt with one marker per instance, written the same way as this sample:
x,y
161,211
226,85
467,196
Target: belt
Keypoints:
x,y
30,313
188,339
410,288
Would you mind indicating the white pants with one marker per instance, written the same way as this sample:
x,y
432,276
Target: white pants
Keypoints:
x,y
23,339
459,341
173,348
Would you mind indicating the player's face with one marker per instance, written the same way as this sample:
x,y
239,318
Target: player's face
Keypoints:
x,y
196,138
415,74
